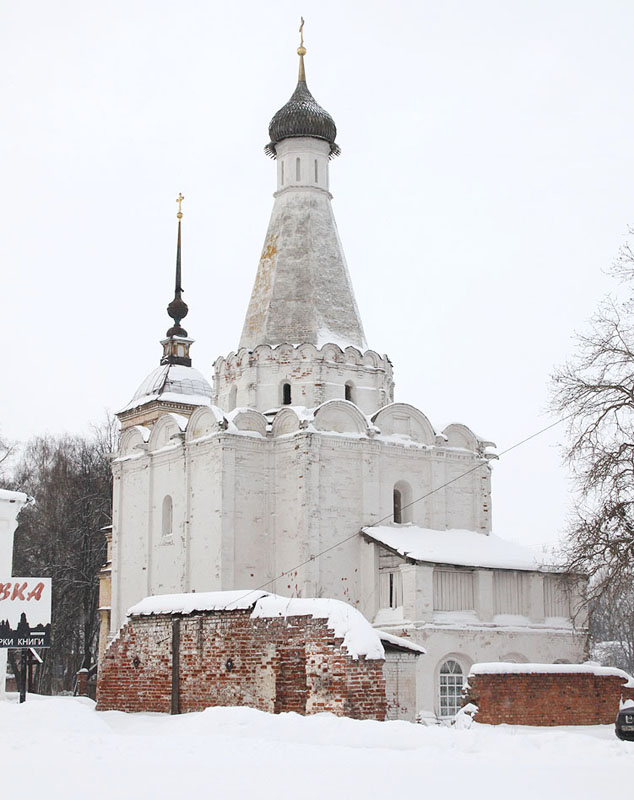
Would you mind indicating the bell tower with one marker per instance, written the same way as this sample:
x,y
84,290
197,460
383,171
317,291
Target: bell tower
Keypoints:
x,y
302,308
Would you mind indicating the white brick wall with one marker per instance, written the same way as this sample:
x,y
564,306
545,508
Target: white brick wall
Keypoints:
x,y
247,506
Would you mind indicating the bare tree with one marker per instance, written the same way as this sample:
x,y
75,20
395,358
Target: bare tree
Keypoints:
x,y
612,629
7,449
594,391
60,536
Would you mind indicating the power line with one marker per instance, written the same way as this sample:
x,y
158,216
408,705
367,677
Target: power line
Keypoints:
x,y
413,502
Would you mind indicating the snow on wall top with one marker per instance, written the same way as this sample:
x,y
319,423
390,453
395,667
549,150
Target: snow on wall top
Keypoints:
x,y
188,603
459,547
503,667
9,496
359,637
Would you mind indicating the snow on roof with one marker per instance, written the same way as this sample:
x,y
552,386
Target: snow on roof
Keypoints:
x,y
401,642
189,602
460,547
9,496
504,667
359,637
325,336
172,383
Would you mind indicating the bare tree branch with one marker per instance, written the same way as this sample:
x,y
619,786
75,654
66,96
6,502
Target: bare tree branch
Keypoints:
x,y
595,390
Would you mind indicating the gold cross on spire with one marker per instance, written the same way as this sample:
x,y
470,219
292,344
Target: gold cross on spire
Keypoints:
x,y
179,200
301,50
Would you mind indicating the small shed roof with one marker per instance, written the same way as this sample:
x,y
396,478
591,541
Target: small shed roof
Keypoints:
x,y
459,547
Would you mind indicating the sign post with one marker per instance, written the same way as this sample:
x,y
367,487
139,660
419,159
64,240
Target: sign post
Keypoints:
x,y
23,675
25,619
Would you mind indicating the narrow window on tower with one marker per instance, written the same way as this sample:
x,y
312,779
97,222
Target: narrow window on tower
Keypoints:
x,y
348,392
402,503
167,520
282,173
298,169
286,394
398,506
316,172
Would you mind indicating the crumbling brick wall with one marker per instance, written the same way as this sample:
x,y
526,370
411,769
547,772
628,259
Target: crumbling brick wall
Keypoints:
x,y
229,659
548,698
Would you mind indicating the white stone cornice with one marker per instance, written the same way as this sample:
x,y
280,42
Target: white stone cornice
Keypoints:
x,y
288,189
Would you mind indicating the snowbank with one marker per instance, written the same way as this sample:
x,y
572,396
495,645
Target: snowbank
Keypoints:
x,y
62,749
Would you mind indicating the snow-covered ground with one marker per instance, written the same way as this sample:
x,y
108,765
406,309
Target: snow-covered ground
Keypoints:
x,y
58,748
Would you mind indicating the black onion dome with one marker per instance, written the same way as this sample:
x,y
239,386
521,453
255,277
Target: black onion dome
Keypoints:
x,y
302,116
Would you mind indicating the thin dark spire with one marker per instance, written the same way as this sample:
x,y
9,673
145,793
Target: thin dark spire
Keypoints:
x,y
177,309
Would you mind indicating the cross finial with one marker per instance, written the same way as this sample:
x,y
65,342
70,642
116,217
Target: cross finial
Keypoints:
x,y
301,50
179,200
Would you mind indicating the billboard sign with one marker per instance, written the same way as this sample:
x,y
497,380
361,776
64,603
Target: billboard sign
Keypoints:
x,y
25,612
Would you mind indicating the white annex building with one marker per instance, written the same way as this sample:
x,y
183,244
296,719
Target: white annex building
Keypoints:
x,y
295,470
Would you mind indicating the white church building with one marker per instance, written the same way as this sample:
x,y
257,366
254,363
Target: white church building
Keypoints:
x,y
295,470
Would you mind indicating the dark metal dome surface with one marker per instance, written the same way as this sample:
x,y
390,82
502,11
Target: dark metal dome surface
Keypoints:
x,y
302,116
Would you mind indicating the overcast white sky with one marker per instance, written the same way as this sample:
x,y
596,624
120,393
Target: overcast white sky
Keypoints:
x,y
486,180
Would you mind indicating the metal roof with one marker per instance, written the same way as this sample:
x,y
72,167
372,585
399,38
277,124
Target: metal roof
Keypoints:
x,y
302,116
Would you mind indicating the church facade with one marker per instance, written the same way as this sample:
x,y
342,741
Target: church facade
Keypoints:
x,y
296,471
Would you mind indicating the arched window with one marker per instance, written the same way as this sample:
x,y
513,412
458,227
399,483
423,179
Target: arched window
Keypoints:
x,y
168,513
349,394
402,502
298,169
451,681
398,506
286,394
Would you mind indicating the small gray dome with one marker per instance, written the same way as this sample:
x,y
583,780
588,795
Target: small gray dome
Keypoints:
x,y
173,383
302,116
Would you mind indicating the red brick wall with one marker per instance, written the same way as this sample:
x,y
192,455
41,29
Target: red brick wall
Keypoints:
x,y
557,698
278,664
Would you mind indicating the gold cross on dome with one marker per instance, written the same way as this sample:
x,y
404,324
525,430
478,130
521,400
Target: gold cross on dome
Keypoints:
x,y
301,32
179,200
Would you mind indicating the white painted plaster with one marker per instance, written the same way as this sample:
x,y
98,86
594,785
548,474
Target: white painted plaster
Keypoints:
x,y
272,495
